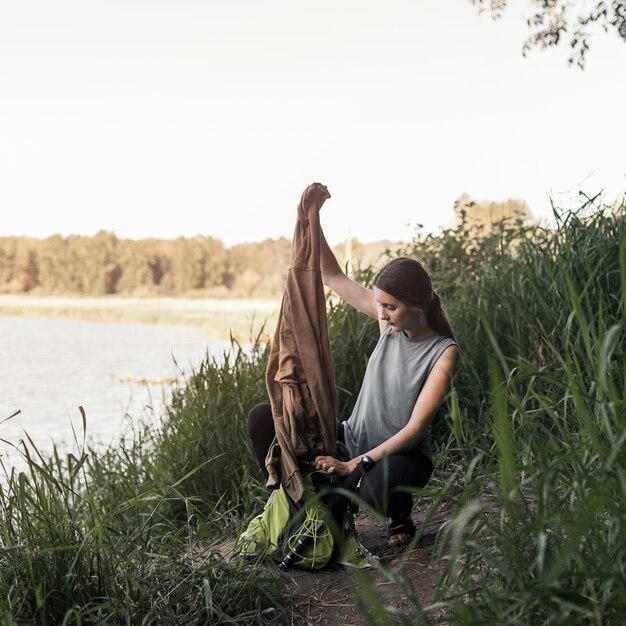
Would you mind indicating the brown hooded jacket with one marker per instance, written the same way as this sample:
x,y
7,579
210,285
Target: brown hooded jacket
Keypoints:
x,y
299,377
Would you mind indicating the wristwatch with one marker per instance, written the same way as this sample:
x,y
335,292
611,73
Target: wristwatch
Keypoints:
x,y
366,462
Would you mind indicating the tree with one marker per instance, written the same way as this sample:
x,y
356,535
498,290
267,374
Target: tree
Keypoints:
x,y
553,20
483,217
52,258
18,264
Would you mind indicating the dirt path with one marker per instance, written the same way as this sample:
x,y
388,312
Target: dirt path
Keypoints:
x,y
338,596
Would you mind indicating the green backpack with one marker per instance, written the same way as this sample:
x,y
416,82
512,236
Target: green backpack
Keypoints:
x,y
305,535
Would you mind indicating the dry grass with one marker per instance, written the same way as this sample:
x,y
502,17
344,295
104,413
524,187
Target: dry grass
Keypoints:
x,y
242,318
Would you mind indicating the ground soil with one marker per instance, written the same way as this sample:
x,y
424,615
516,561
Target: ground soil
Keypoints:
x,y
406,582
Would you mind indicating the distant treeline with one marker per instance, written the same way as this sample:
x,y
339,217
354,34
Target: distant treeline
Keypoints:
x,y
104,264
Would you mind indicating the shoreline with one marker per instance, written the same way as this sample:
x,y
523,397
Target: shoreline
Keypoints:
x,y
243,318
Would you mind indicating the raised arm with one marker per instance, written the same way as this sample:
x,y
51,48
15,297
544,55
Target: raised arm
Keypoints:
x,y
358,296
333,276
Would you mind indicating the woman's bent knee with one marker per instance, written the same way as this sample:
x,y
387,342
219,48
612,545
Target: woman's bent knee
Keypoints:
x,y
260,420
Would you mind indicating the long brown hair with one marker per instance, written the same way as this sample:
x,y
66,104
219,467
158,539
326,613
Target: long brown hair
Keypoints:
x,y
408,281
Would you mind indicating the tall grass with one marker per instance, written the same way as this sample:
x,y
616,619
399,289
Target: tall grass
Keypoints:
x,y
207,420
352,338
531,449
132,535
535,435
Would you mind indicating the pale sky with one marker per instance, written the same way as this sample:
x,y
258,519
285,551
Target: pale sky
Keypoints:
x,y
164,118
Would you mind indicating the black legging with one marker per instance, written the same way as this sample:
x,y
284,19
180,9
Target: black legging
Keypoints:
x,y
381,486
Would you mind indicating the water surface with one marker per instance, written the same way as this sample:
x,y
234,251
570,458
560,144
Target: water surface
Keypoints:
x,y
49,367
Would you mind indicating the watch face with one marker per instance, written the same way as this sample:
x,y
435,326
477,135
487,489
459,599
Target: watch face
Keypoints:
x,y
367,462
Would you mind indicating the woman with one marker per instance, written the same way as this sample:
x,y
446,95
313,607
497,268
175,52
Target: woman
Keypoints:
x,y
407,377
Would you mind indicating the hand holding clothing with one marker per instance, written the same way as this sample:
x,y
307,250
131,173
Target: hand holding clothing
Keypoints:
x,y
334,466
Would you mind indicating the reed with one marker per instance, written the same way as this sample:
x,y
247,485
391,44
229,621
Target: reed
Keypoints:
x,y
352,339
207,420
90,538
532,447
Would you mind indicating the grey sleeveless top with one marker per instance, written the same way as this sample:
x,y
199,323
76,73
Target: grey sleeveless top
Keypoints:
x,y
395,374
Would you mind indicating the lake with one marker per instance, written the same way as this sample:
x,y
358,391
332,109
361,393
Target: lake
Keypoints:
x,y
116,371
